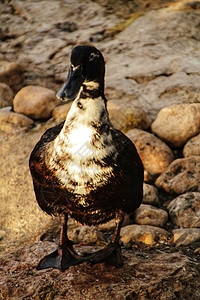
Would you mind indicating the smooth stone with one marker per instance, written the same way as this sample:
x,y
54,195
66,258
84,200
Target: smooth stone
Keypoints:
x,y
150,215
192,147
184,211
125,115
155,154
143,233
183,175
177,124
150,195
110,225
35,101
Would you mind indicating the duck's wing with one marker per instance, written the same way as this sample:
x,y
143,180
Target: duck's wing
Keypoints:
x,y
45,184
131,169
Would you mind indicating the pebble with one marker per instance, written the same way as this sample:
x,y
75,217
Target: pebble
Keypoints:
x,y
192,147
143,233
185,236
35,102
150,195
125,115
10,120
150,215
176,124
85,234
184,211
183,175
155,154
6,95
110,225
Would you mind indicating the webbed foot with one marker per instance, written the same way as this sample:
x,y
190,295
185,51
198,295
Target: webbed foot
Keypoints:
x,y
111,255
60,259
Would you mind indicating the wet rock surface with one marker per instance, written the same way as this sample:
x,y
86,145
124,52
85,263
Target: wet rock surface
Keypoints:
x,y
146,274
152,63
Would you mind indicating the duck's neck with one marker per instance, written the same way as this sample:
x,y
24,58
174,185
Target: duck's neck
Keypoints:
x,y
92,90
89,108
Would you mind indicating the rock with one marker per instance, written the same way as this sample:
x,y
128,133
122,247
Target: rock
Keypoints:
x,y
150,215
143,233
110,225
85,234
144,275
6,95
192,147
164,64
10,121
177,124
150,195
174,88
187,5
156,58
60,112
155,154
185,236
184,211
11,73
36,102
125,115
148,177
181,176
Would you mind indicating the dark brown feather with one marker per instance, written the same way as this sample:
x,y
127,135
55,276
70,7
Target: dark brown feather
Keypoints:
x,y
123,190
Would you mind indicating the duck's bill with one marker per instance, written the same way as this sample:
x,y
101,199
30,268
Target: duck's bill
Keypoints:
x,y
71,88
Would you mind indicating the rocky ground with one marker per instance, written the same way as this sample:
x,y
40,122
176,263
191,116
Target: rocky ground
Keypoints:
x,y
152,58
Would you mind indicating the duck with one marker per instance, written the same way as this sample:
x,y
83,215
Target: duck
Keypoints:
x,y
84,167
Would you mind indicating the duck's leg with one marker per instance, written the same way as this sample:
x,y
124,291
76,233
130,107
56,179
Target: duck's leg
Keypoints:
x,y
64,256
111,254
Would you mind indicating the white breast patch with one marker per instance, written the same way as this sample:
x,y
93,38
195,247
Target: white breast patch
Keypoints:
x,y
77,170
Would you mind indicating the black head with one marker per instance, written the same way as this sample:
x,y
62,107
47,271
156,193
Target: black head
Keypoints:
x,y
87,65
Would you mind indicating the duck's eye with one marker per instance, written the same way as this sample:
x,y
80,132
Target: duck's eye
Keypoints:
x,y
92,56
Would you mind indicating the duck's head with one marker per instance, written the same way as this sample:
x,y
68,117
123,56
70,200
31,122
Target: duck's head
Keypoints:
x,y
86,73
